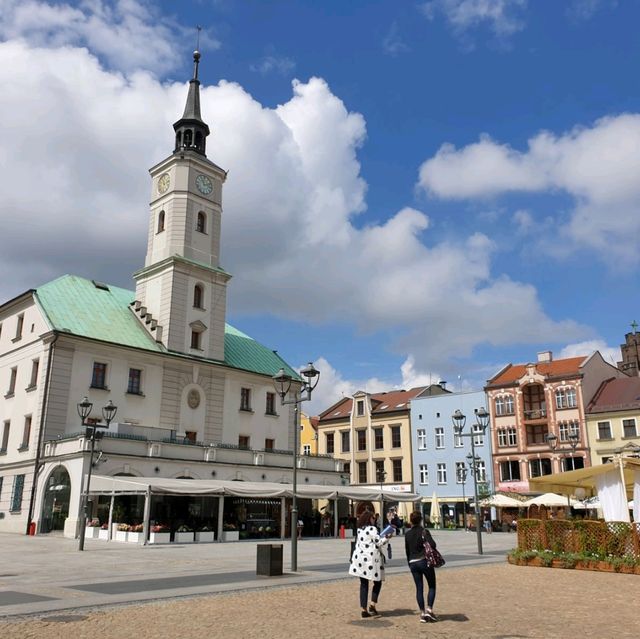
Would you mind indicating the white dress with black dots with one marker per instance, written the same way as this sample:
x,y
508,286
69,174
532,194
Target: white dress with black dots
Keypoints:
x,y
368,560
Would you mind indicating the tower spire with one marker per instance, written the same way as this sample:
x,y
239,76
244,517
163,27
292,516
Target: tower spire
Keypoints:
x,y
191,131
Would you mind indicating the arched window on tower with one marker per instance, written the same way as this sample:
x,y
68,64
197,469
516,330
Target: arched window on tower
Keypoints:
x,y
198,140
160,222
188,137
198,294
178,140
201,224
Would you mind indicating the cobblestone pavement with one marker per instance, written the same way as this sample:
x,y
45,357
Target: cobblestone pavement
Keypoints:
x,y
497,601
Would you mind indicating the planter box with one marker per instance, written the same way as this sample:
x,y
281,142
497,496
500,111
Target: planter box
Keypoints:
x,y
231,535
91,532
120,535
183,538
135,537
348,533
159,538
207,536
103,534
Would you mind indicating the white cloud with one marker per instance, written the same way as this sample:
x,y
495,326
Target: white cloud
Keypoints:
x,y
597,166
610,354
128,34
501,16
392,42
274,64
75,161
523,221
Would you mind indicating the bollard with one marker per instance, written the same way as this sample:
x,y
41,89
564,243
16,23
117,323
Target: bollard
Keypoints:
x,y
269,560
342,533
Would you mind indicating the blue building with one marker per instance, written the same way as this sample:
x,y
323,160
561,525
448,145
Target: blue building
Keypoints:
x,y
440,456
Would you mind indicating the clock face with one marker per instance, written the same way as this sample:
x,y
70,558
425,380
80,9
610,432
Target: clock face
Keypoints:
x,y
163,183
204,184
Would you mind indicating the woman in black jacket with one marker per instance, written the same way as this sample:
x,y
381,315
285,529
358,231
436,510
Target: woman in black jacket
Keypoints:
x,y
414,547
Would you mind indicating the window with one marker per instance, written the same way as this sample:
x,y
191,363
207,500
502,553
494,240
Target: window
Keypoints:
x,y
243,441
508,405
26,433
6,427
571,398
360,408
195,340
510,471
539,467
442,473
198,295
362,439
378,438
380,472
604,430
329,440
245,399
99,377
13,376
160,222
362,472
512,435
439,437
572,463
502,438
537,434
395,437
191,436
270,407
346,469
507,437
19,327
397,470
201,223
424,475
566,398
422,439
565,429
306,449
478,435
345,437
460,470
270,444
629,428
457,441
499,403
134,386
481,470
16,497
33,382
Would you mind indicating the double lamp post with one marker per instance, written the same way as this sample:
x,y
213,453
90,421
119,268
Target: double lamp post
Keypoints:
x,y
482,422
283,383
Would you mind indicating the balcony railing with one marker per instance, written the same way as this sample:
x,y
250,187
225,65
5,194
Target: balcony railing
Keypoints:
x,y
537,413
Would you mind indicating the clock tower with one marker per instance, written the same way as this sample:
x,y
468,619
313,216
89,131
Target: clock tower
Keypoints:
x,y
181,291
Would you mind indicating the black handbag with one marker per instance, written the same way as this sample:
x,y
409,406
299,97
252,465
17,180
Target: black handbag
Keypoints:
x,y
432,555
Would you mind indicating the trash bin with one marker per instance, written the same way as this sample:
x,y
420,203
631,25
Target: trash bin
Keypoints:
x,y
269,559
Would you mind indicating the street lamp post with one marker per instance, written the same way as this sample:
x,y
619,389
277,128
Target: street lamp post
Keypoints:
x,y
108,413
462,478
482,421
282,383
574,439
382,475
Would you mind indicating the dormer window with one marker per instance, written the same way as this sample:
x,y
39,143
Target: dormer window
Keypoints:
x,y
160,222
198,295
360,408
201,224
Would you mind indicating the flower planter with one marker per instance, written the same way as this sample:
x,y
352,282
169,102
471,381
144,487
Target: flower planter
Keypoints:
x,y
205,536
231,535
348,533
183,538
120,535
134,537
91,532
159,538
103,534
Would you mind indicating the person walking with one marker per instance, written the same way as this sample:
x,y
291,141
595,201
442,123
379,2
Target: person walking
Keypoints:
x,y
414,540
367,562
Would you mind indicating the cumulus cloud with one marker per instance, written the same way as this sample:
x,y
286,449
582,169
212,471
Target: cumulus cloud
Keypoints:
x,y
274,64
596,165
392,43
75,161
610,354
127,34
500,16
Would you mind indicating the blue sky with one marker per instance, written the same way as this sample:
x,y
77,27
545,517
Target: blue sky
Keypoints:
x,y
416,190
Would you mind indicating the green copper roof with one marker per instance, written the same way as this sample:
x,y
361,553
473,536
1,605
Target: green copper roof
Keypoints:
x,y
101,311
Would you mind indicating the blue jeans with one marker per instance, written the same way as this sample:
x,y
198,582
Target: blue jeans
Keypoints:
x,y
419,569
364,592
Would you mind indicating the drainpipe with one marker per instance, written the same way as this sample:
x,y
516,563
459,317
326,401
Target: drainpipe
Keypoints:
x,y
45,406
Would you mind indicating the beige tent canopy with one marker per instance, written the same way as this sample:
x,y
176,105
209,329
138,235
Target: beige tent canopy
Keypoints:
x,y
501,501
585,478
549,499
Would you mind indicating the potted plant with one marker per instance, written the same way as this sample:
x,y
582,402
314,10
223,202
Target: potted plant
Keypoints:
x,y
122,531
230,532
92,528
183,535
159,534
205,534
135,534
103,533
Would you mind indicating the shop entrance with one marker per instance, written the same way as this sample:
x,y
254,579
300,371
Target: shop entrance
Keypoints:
x,y
55,507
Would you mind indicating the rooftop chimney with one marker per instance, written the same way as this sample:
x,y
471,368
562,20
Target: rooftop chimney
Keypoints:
x,y
443,384
545,356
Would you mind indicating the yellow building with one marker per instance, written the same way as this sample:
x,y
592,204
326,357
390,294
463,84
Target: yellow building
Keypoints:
x,y
372,434
613,419
308,435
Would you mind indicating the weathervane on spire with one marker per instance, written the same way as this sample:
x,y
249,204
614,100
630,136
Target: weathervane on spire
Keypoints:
x,y
196,53
634,326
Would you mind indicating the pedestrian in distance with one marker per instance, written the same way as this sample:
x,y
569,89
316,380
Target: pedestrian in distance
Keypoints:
x,y
367,562
487,523
414,541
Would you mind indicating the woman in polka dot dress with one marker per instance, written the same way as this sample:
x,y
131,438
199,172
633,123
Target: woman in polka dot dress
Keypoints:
x,y
367,562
